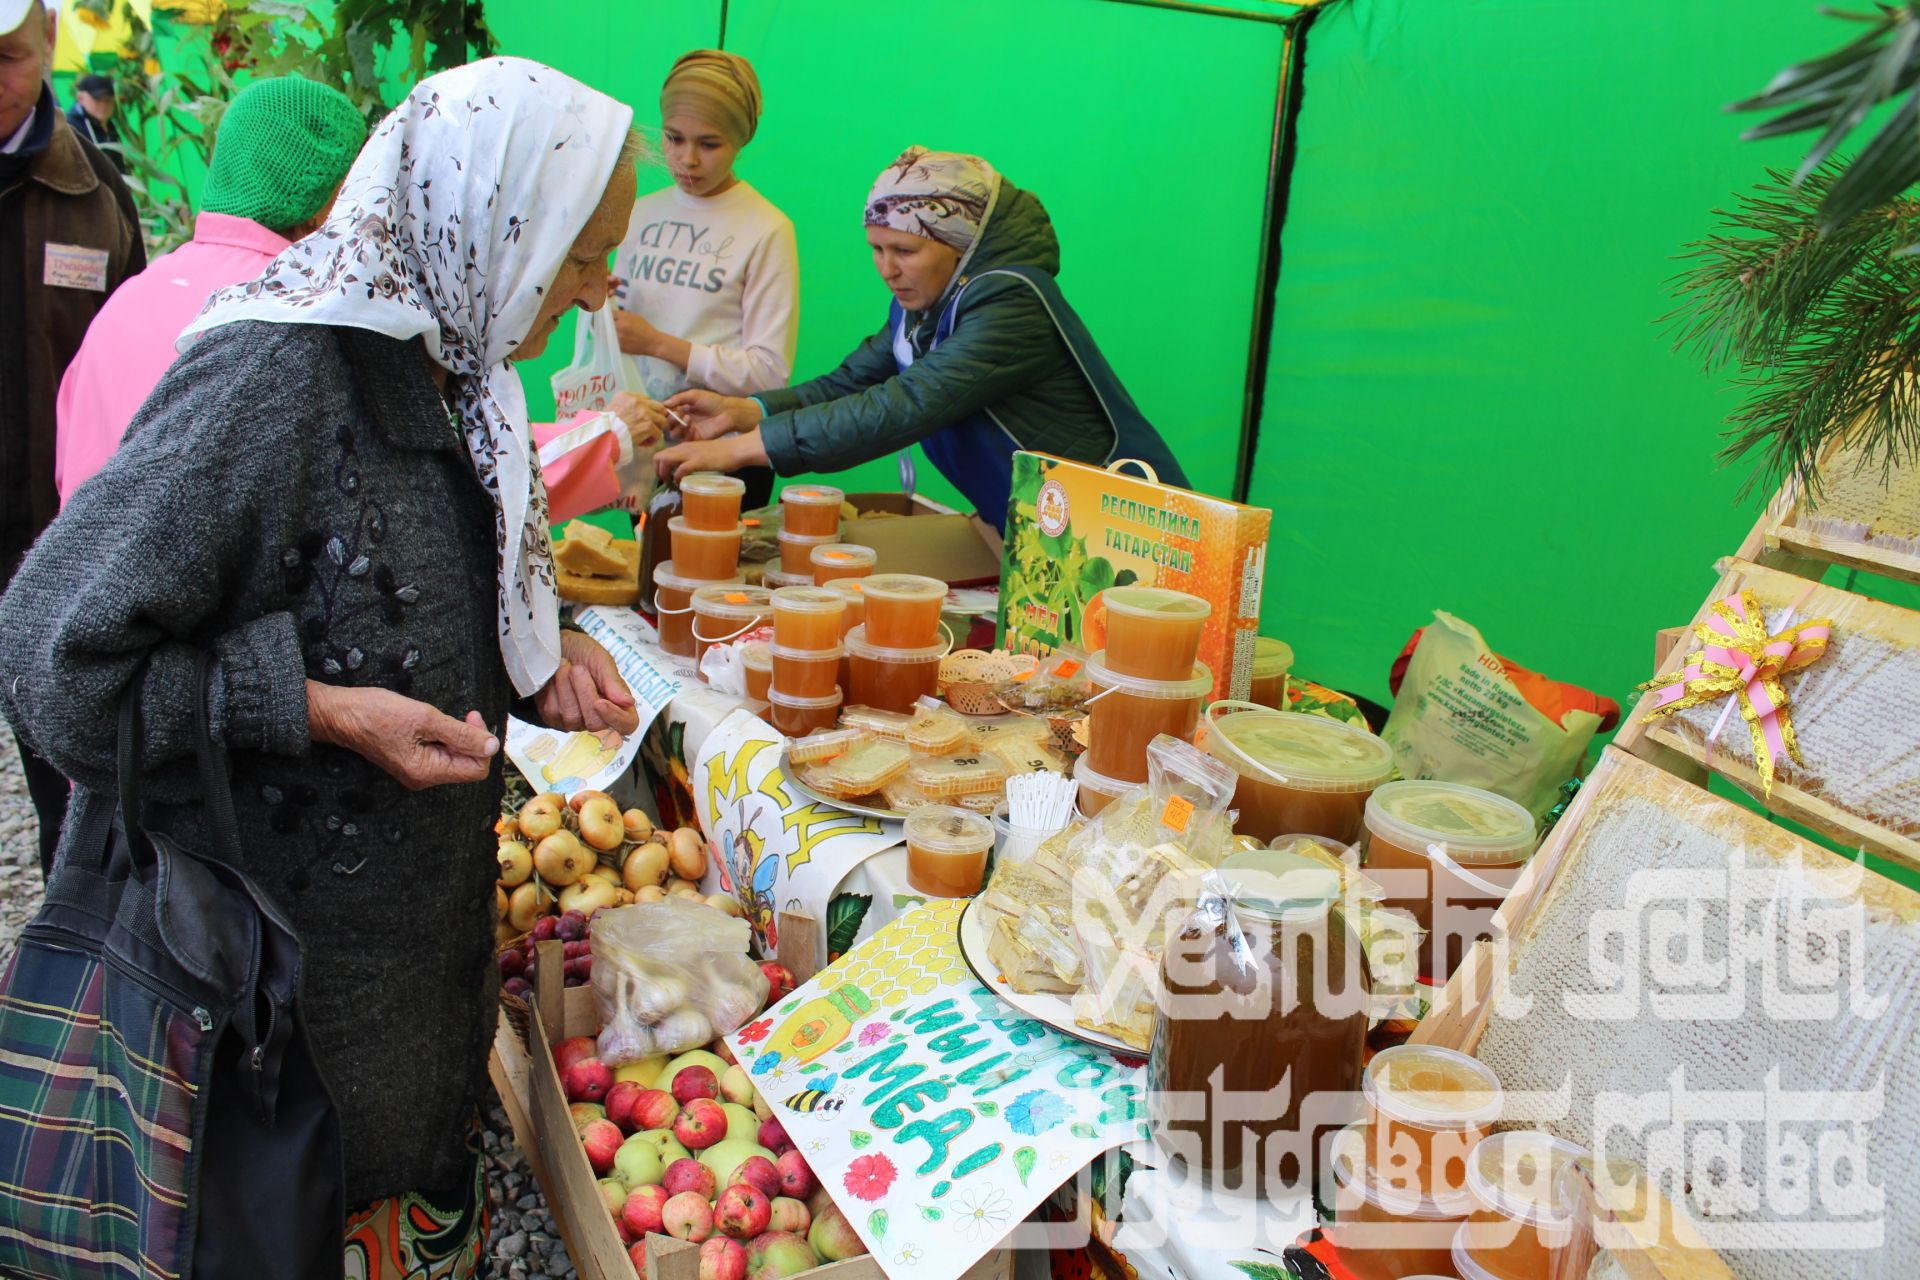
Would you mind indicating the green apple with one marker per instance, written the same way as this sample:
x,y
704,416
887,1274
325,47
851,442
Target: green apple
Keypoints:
x,y
643,1072
730,1153
741,1122
613,1194
691,1058
663,1141
638,1164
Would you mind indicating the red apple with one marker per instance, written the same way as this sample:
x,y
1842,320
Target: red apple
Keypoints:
x,y
694,1082
654,1109
690,1175
723,1259
637,1255
796,1179
645,1210
759,1173
688,1217
789,1215
780,981
585,1113
773,1136
742,1211
570,1051
701,1124
778,1254
723,1051
587,1080
601,1139
620,1100
832,1236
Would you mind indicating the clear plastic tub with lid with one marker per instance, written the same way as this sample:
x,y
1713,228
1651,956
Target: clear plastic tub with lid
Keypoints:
x,y
796,551
712,555
797,717
1153,633
888,678
1446,854
779,579
811,510
947,850
833,561
1298,772
1097,791
673,607
756,659
1272,661
808,618
1532,1216
1429,1108
1127,712
1387,1227
711,501
903,609
806,673
724,611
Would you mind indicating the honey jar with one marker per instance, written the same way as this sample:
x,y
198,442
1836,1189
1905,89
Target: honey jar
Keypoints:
x,y
1298,773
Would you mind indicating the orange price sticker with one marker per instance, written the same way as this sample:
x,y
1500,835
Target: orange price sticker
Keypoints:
x,y
1067,670
1174,817
734,597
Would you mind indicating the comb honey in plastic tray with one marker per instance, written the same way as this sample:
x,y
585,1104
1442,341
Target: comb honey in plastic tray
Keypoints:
x,y
888,724
822,744
952,776
937,731
865,769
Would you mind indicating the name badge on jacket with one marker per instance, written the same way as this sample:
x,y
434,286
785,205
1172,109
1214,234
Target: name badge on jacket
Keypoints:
x,y
72,266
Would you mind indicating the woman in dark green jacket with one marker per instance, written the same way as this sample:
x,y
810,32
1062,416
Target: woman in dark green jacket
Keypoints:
x,y
980,356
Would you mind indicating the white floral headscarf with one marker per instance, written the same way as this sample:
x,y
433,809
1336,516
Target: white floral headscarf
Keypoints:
x,y
937,195
450,227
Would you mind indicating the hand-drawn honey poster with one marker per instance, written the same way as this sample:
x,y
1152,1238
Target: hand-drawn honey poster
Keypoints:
x,y
936,1116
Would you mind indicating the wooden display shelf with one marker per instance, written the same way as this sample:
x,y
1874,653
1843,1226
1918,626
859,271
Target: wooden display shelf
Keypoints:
x,y
1782,539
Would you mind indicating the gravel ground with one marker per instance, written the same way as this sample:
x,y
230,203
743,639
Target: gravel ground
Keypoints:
x,y
525,1244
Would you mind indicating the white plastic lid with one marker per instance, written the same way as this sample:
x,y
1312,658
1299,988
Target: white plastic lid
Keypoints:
x,y
732,600
1297,750
808,600
1196,686
812,495
1471,824
805,704
858,647
713,485
805,655
806,539
903,586
1525,1175
679,528
757,654
1276,884
843,555
852,589
777,579
665,576
1155,602
942,828
1432,1088
1353,1169
1271,657
1084,774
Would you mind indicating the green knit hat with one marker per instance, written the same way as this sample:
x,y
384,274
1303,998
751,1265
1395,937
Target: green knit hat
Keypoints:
x,y
283,147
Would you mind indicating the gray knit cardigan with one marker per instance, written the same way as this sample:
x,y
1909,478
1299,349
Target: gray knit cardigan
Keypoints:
x,y
296,498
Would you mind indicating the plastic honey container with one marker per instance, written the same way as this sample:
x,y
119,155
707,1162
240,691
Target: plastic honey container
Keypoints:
x,y
1128,712
796,551
673,606
778,579
811,510
711,501
888,678
1097,791
808,618
797,717
947,850
1532,1209
1153,633
705,554
756,659
1387,1228
1429,1109
724,611
806,673
1487,838
903,609
835,560
1272,660
1298,772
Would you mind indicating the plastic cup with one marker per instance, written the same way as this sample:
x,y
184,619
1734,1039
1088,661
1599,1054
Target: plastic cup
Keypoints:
x,y
1298,772
1126,713
1429,1108
1532,1211
702,553
723,611
796,551
947,851
1272,660
806,673
888,678
797,716
811,510
903,609
1487,837
711,501
673,607
1097,791
807,618
757,659
835,560
1385,1227
1153,633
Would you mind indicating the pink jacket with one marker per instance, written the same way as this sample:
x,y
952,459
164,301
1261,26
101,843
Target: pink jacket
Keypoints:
x,y
130,342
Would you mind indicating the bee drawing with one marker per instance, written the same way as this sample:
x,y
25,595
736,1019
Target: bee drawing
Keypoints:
x,y
819,1098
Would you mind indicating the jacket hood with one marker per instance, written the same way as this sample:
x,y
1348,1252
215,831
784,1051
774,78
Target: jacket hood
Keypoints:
x,y
1018,234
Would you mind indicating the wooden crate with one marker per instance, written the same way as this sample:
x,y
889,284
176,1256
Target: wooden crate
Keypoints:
x,y
1786,537
536,1105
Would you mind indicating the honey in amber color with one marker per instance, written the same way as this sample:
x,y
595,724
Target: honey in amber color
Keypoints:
x,y
1126,713
724,611
673,607
903,610
757,660
710,501
947,851
1153,633
796,552
697,553
833,561
806,673
798,717
808,618
1429,1108
1299,774
1531,1212
1097,791
811,511
1272,659
1384,1227
891,684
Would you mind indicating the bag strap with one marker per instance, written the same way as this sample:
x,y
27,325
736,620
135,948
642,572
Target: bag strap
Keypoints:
x,y
132,732
216,783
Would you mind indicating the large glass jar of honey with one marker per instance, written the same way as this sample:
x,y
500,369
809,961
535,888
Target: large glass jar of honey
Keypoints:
x,y
1261,1024
1299,774
1446,854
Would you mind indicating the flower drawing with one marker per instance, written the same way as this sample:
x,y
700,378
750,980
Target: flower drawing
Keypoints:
x,y
985,1214
870,1177
1036,1112
908,1255
755,1032
874,1032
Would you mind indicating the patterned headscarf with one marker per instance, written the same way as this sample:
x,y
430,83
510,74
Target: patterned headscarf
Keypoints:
x,y
717,87
453,222
938,195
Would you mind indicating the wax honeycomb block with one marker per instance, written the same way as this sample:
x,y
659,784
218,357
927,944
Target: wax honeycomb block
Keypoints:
x,y
958,775
863,770
888,724
823,744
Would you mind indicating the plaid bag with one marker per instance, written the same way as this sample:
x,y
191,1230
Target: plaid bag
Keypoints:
x,y
160,1111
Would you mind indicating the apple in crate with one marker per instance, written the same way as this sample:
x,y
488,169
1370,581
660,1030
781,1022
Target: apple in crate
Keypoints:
x,y
741,1122
702,1124
724,1157
694,1058
689,1217
773,1136
585,1113
780,981
832,1236
789,1214
759,1173
779,1254
742,1212
637,1163
619,1103
796,1179
613,1194
572,1050
690,1175
737,1086
637,1255
723,1259
653,1109
644,1210
601,1140
663,1141
695,1082
587,1080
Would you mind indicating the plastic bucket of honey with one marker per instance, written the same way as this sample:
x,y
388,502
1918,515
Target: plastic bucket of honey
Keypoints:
x,y
947,850
1153,633
811,510
1429,1108
724,611
1097,791
799,716
1532,1210
808,618
673,607
836,560
711,501
1386,1226
1298,772
707,554
1127,712
796,551
1272,660
891,679
903,609
756,659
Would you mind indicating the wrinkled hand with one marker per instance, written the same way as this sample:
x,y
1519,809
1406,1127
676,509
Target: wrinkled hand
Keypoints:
x,y
646,419
637,336
726,454
416,743
587,691
710,415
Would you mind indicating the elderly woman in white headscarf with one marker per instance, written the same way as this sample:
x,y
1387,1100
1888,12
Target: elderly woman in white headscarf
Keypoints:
x,y
981,355
334,492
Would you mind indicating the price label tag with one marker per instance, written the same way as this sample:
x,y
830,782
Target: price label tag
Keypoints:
x,y
1067,670
1174,817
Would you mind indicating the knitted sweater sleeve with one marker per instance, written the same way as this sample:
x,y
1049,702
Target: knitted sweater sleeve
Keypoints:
x,y
151,563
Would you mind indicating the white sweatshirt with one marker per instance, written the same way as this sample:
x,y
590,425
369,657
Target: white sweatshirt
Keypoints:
x,y
722,272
